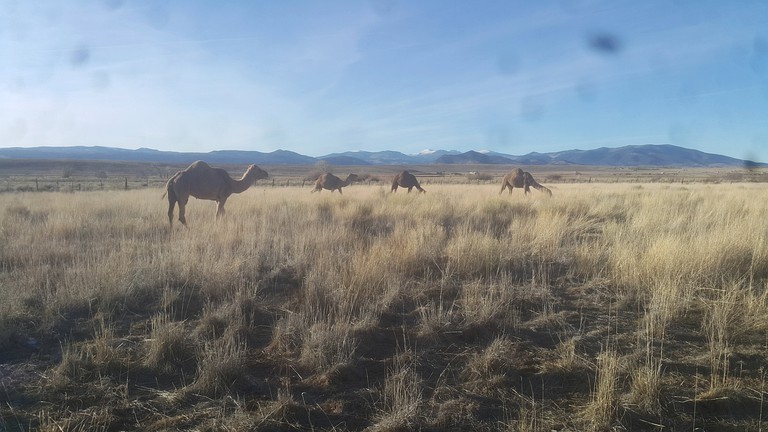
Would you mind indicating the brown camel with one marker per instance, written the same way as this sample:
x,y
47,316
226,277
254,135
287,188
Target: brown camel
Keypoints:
x,y
406,180
331,182
202,181
521,179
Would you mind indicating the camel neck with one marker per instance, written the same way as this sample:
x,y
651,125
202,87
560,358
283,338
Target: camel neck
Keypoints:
x,y
243,184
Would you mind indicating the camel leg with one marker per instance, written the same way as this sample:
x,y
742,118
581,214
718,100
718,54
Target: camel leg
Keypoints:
x,y
182,211
394,187
220,208
409,189
182,201
171,205
172,198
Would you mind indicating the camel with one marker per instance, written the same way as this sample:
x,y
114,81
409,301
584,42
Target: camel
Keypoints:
x,y
406,180
331,182
202,181
521,179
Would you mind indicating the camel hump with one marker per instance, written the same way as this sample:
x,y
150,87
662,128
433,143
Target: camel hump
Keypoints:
x,y
198,165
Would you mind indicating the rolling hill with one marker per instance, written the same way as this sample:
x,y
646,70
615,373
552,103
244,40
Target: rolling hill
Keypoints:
x,y
635,155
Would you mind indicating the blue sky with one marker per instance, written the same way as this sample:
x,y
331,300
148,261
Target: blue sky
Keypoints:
x,y
318,77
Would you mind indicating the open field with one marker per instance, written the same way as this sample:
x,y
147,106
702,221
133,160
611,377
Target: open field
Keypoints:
x,y
33,175
610,306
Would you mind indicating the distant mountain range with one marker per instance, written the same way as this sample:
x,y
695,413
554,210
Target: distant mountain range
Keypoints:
x,y
635,155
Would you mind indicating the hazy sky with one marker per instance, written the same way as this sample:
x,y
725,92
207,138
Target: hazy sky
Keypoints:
x,y
317,77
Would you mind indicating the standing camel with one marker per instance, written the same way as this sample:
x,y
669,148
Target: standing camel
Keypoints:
x,y
406,180
202,181
521,179
331,182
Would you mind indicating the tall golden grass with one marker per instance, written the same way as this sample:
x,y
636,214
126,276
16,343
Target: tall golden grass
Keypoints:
x,y
584,310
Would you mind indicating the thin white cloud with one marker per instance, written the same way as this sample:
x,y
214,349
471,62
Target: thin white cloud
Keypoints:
x,y
340,75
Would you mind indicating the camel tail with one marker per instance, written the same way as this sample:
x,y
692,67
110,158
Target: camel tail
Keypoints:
x,y
168,188
169,185
169,191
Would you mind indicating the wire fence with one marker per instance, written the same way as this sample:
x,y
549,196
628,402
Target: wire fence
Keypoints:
x,y
80,184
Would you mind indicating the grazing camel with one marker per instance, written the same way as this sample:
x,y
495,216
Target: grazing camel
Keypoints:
x,y
406,180
521,179
331,182
203,182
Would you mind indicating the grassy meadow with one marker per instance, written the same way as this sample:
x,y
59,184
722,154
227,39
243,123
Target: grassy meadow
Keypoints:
x,y
606,307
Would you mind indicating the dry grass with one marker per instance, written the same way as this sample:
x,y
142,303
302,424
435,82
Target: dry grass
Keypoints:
x,y
401,397
608,305
601,410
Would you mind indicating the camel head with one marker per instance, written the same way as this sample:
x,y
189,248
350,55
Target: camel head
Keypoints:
x,y
256,173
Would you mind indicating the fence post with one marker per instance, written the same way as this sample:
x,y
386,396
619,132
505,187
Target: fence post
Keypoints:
x,y
37,187
126,183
